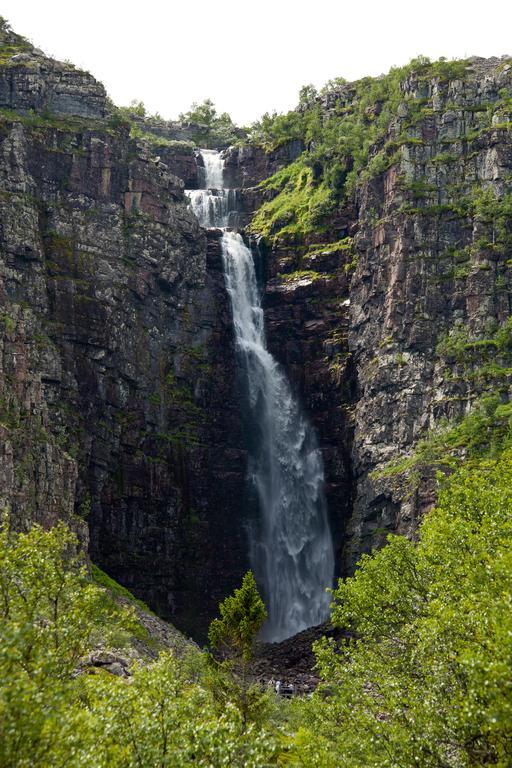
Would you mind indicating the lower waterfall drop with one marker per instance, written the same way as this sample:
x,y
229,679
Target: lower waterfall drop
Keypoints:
x,y
291,549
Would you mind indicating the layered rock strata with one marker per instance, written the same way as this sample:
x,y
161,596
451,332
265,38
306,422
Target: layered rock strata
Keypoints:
x,y
118,402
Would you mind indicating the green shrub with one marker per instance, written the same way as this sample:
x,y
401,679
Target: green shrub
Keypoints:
x,y
425,676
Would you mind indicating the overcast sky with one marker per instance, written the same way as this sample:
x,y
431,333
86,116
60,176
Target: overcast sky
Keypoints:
x,y
251,57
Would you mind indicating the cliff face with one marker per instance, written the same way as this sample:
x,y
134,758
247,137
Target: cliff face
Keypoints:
x,y
434,260
118,402
423,254
118,408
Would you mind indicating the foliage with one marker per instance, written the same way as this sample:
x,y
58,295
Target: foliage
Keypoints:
x,y
50,614
163,715
495,214
242,616
425,677
11,43
211,129
299,206
345,132
233,636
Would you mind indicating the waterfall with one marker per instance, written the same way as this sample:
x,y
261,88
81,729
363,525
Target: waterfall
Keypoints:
x,y
213,205
290,543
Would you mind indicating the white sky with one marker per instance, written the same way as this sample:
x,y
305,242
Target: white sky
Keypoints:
x,y
251,57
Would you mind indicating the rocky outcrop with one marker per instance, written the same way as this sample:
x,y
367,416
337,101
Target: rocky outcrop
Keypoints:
x,y
32,82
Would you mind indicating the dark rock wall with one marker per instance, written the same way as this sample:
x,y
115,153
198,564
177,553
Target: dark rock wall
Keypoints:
x,y
118,404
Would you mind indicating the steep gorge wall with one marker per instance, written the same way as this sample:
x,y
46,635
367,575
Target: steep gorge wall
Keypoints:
x,y
432,258
358,327
118,403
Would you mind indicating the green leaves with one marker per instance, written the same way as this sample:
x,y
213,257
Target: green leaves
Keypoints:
x,y
422,678
427,677
242,616
213,129
164,714
233,636
49,613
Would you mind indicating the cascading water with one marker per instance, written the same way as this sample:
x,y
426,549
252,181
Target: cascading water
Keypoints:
x,y
290,545
214,205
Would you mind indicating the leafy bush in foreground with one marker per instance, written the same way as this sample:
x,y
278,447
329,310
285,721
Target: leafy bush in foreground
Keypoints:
x,y
426,679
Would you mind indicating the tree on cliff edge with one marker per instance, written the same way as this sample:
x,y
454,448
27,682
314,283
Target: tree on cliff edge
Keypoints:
x,y
212,129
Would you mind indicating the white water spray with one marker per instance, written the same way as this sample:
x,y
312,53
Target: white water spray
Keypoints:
x,y
214,205
290,545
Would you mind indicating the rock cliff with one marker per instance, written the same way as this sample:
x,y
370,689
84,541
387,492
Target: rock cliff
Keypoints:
x,y
118,407
411,274
118,397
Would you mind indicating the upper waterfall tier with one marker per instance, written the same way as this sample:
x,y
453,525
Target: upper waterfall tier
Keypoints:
x,y
213,205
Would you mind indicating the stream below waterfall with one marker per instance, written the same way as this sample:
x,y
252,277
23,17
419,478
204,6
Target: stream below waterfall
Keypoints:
x,y
290,544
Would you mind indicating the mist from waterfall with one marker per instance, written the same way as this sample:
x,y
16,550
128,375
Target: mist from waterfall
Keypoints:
x,y
291,549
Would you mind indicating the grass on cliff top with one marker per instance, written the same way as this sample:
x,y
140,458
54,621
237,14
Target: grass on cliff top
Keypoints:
x,y
46,119
11,43
343,130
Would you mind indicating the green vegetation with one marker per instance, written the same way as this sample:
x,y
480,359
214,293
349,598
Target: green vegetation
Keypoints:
x,y
155,141
338,142
299,206
422,676
486,430
348,135
163,715
115,589
300,274
211,129
233,636
10,43
424,679
66,123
